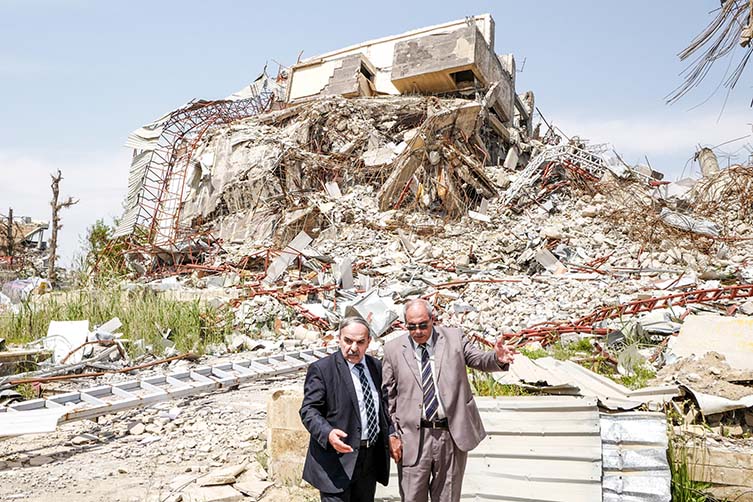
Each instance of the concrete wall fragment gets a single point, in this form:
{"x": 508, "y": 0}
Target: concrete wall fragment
{"x": 310, "y": 77}
{"x": 287, "y": 439}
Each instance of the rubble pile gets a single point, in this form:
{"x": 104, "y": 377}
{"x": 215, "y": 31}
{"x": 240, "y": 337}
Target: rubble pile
{"x": 267, "y": 173}
{"x": 362, "y": 192}
{"x": 23, "y": 248}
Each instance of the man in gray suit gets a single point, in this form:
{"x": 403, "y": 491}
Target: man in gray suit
{"x": 435, "y": 418}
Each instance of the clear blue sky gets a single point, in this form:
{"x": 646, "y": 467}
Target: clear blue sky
{"x": 77, "y": 76}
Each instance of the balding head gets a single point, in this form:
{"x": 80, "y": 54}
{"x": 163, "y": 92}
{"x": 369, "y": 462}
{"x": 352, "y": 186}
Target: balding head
{"x": 420, "y": 305}
{"x": 419, "y": 319}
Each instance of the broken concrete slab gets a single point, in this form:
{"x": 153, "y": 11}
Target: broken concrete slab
{"x": 224, "y": 476}
{"x": 223, "y": 493}
{"x": 290, "y": 253}
{"x": 253, "y": 488}
{"x": 730, "y": 336}
{"x": 379, "y": 311}
{"x": 448, "y": 61}
{"x": 547, "y": 260}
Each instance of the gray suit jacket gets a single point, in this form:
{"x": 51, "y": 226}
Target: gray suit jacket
{"x": 452, "y": 353}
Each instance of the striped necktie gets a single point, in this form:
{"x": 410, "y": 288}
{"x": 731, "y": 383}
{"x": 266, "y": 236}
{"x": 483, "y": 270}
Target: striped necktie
{"x": 372, "y": 428}
{"x": 431, "y": 403}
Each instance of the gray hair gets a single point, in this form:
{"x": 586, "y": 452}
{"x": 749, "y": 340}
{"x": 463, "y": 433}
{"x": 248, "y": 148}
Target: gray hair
{"x": 428, "y": 307}
{"x": 351, "y": 320}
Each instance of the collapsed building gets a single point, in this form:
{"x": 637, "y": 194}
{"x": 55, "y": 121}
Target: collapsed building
{"x": 22, "y": 240}
{"x": 244, "y": 168}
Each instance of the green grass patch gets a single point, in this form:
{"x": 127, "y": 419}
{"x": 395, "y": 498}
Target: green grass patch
{"x": 145, "y": 316}
{"x": 532, "y": 353}
{"x": 565, "y": 352}
{"x": 682, "y": 468}
{"x": 483, "y": 384}
{"x": 639, "y": 379}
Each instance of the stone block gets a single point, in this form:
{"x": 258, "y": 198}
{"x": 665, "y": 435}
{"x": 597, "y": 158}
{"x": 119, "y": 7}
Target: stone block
{"x": 287, "y": 439}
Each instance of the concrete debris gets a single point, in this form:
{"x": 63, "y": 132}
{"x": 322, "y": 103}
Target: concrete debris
{"x": 732, "y": 337}
{"x": 221, "y": 493}
{"x": 684, "y": 222}
{"x": 20, "y": 360}
{"x": 547, "y": 260}
{"x": 20, "y": 290}
{"x": 224, "y": 476}
{"x": 288, "y": 255}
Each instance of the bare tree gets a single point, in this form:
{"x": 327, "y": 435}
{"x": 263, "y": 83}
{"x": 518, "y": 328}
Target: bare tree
{"x": 8, "y": 230}
{"x": 56, "y": 207}
{"x": 730, "y": 29}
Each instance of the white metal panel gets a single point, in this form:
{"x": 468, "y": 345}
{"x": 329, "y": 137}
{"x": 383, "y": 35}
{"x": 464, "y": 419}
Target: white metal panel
{"x": 538, "y": 448}
{"x": 567, "y": 377}
{"x": 634, "y": 447}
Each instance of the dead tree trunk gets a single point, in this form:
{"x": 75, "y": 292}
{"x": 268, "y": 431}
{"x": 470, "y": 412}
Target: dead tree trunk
{"x": 56, "y": 207}
{"x": 10, "y": 233}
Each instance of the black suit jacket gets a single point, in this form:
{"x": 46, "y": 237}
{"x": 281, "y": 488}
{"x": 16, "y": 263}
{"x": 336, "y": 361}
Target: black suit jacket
{"x": 329, "y": 402}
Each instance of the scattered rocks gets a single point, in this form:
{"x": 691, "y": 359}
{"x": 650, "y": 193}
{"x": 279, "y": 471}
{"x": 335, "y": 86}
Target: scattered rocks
{"x": 137, "y": 429}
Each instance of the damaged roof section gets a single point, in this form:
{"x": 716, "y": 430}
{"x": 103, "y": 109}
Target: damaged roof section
{"x": 447, "y": 57}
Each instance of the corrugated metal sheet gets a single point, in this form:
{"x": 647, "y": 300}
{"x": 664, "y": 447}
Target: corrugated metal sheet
{"x": 634, "y": 447}
{"x": 144, "y": 139}
{"x": 127, "y": 223}
{"x": 567, "y": 377}
{"x": 135, "y": 186}
{"x": 537, "y": 449}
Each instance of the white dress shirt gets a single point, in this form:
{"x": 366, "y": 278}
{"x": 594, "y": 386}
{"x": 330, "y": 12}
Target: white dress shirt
{"x": 359, "y": 394}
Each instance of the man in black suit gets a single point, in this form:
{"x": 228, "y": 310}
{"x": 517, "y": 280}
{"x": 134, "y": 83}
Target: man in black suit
{"x": 345, "y": 411}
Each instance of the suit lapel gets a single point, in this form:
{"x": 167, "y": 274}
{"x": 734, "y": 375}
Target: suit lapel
{"x": 347, "y": 379}
{"x": 439, "y": 343}
{"x": 409, "y": 354}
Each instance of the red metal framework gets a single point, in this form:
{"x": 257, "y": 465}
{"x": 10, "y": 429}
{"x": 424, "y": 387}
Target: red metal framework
{"x": 677, "y": 300}
{"x": 164, "y": 176}
{"x": 551, "y": 331}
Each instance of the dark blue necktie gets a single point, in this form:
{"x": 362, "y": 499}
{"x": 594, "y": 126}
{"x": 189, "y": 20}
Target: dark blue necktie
{"x": 431, "y": 403}
{"x": 372, "y": 428}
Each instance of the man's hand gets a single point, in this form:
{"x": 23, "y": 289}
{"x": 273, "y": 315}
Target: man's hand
{"x": 337, "y": 444}
{"x": 396, "y": 448}
{"x": 505, "y": 354}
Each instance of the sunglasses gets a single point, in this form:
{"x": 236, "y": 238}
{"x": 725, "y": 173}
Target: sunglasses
{"x": 414, "y": 327}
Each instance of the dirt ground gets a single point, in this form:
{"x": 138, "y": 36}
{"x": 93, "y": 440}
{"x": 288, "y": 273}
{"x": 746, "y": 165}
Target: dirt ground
{"x": 146, "y": 454}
